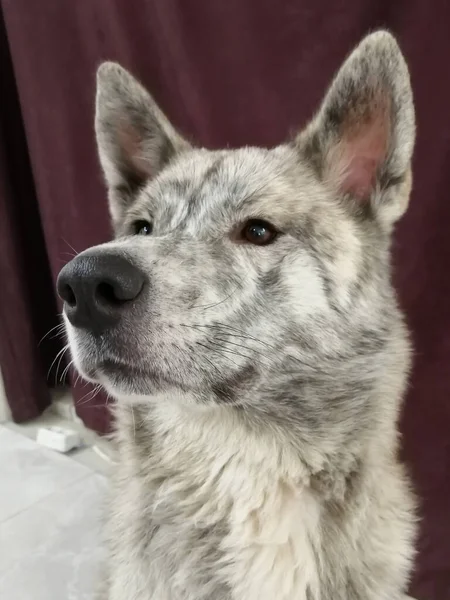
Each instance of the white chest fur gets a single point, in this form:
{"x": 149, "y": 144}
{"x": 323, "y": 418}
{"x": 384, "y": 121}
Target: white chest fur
{"x": 257, "y": 488}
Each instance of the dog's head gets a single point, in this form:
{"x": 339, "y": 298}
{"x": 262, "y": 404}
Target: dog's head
{"x": 237, "y": 273}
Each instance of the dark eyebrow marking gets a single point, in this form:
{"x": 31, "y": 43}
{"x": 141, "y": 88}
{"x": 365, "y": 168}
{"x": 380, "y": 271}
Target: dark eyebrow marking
{"x": 212, "y": 171}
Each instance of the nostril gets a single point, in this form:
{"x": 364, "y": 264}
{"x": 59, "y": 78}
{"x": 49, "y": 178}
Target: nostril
{"x": 119, "y": 288}
{"x": 108, "y": 294}
{"x": 68, "y": 295}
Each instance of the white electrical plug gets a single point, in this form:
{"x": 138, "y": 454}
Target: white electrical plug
{"x": 58, "y": 438}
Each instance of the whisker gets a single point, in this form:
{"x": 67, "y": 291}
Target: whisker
{"x": 211, "y": 363}
{"x": 227, "y": 341}
{"x": 70, "y": 246}
{"x": 207, "y": 306}
{"x": 90, "y": 395}
{"x": 61, "y": 352}
{"x": 66, "y": 370}
{"x": 57, "y": 368}
{"x": 218, "y": 352}
{"x": 240, "y": 334}
{"x": 82, "y": 399}
{"x": 60, "y": 327}
{"x": 219, "y": 326}
{"x": 228, "y": 351}
{"x": 191, "y": 349}
{"x": 108, "y": 398}
{"x": 240, "y": 346}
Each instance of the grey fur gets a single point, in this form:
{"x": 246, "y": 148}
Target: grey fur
{"x": 258, "y": 388}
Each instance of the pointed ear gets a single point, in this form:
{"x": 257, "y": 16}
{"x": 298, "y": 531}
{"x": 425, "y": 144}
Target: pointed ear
{"x": 361, "y": 140}
{"x": 135, "y": 140}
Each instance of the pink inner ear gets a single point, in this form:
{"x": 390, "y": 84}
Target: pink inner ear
{"x": 356, "y": 160}
{"x": 132, "y": 151}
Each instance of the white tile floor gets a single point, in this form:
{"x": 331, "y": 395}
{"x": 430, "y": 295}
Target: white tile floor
{"x": 51, "y": 509}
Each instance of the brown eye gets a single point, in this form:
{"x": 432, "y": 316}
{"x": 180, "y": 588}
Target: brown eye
{"x": 258, "y": 232}
{"x": 142, "y": 228}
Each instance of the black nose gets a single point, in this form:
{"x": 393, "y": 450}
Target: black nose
{"x": 97, "y": 287}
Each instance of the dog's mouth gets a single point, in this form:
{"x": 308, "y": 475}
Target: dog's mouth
{"x": 124, "y": 376}
{"x": 120, "y": 369}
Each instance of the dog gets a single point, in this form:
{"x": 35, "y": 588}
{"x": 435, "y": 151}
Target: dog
{"x": 245, "y": 323}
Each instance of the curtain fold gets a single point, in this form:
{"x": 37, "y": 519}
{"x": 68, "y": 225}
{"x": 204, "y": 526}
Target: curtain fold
{"x": 27, "y": 302}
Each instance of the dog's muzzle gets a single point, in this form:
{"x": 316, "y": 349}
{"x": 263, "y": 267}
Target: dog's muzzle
{"x": 98, "y": 288}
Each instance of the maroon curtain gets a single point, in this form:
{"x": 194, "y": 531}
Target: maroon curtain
{"x": 227, "y": 72}
{"x": 27, "y": 301}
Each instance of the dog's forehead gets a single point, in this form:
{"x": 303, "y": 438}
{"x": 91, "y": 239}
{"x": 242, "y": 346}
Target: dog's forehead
{"x": 208, "y": 185}
{"x": 221, "y": 172}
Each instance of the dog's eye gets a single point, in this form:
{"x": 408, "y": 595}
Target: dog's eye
{"x": 258, "y": 232}
{"x": 142, "y": 228}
